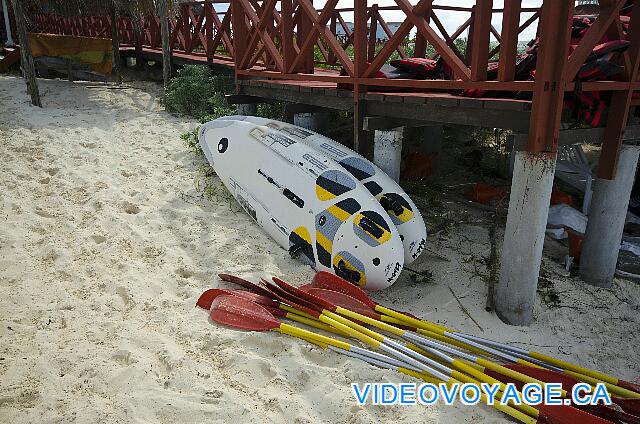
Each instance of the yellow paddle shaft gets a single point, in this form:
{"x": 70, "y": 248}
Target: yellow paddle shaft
{"x": 305, "y": 334}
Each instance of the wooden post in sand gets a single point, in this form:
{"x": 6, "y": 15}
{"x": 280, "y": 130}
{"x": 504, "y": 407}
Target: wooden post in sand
{"x": 28, "y": 68}
{"x": 115, "y": 43}
{"x": 166, "y": 49}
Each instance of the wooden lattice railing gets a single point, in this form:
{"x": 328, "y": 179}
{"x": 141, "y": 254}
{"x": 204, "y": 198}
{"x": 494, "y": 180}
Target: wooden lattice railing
{"x": 291, "y": 39}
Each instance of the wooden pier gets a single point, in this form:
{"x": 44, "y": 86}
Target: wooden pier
{"x": 289, "y": 51}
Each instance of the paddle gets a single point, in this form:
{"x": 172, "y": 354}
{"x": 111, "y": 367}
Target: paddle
{"x": 241, "y": 313}
{"x": 330, "y": 281}
{"x": 273, "y": 306}
{"x": 431, "y": 346}
{"x": 565, "y": 414}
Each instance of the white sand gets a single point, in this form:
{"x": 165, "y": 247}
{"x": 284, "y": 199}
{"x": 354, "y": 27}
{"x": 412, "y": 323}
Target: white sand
{"x": 105, "y": 245}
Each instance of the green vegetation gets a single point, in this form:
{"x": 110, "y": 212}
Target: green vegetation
{"x": 196, "y": 92}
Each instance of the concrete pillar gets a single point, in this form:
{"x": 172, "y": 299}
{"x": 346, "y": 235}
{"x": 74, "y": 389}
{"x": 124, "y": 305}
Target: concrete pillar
{"x": 7, "y": 24}
{"x": 387, "y": 151}
{"x": 515, "y": 293}
{"x": 314, "y": 121}
{"x": 247, "y": 109}
{"x": 606, "y": 221}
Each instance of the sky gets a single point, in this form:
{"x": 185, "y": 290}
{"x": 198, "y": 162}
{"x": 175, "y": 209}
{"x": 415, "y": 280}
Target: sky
{"x": 450, "y": 20}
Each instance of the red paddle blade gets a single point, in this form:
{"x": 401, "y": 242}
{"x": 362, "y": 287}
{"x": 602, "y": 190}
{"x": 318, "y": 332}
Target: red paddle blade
{"x": 255, "y": 297}
{"x": 234, "y": 311}
{"x": 562, "y": 414}
{"x": 205, "y": 299}
{"x": 632, "y": 406}
{"x": 326, "y": 280}
{"x": 308, "y": 297}
{"x": 344, "y": 301}
{"x": 306, "y": 287}
{"x": 293, "y": 300}
{"x": 256, "y": 288}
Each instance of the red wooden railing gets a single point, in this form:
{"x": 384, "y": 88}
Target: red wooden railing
{"x": 290, "y": 39}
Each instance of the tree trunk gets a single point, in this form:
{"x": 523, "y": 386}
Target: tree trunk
{"x": 28, "y": 68}
{"x": 166, "y": 50}
{"x": 115, "y": 44}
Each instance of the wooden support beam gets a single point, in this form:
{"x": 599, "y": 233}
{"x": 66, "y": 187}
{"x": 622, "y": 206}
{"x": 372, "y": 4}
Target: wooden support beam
{"x": 619, "y": 105}
{"x": 293, "y": 108}
{"x": 480, "y": 41}
{"x": 372, "y": 123}
{"x": 239, "y": 99}
{"x": 509, "y": 41}
{"x": 550, "y": 82}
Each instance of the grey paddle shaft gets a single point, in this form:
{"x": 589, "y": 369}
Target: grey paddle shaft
{"x": 389, "y": 363}
{"x": 515, "y": 351}
{"x": 379, "y": 357}
{"x": 415, "y": 359}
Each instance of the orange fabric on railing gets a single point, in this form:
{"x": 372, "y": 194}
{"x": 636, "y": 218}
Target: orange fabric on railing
{"x": 94, "y": 52}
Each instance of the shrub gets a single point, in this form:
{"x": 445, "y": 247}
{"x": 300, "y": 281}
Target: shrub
{"x": 198, "y": 93}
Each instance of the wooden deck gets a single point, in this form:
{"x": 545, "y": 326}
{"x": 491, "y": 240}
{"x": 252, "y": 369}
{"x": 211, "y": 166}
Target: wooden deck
{"x": 428, "y": 107}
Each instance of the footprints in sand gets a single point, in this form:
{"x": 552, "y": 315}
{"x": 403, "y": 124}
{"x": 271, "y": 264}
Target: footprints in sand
{"x": 184, "y": 273}
{"x": 24, "y": 399}
{"x": 44, "y": 213}
{"x": 212, "y": 397}
{"x": 130, "y": 208}
{"x": 98, "y": 239}
{"x": 124, "y": 357}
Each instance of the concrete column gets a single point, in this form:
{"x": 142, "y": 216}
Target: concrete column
{"x": 7, "y": 24}
{"x": 247, "y": 109}
{"x": 314, "y": 121}
{"x": 515, "y": 293}
{"x": 606, "y": 221}
{"x": 387, "y": 151}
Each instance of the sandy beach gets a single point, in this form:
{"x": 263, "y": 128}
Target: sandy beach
{"x": 106, "y": 244}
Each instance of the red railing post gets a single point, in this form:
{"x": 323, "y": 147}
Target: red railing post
{"x": 360, "y": 67}
{"x": 287, "y": 23}
{"x": 208, "y": 29}
{"x": 373, "y": 32}
{"x": 304, "y": 28}
{"x": 333, "y": 27}
{"x": 420, "y": 47}
{"x": 551, "y": 67}
{"x": 480, "y": 40}
{"x": 240, "y": 33}
{"x": 509, "y": 42}
{"x": 186, "y": 27}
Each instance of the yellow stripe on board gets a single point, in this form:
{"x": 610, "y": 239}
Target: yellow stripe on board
{"x": 303, "y": 233}
{"x": 341, "y": 214}
{"x": 324, "y": 242}
{"x": 363, "y": 278}
{"x": 324, "y": 194}
{"x": 406, "y": 215}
